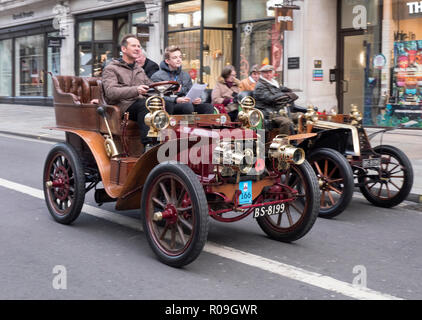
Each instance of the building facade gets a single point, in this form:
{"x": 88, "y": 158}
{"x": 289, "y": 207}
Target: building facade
{"x": 75, "y": 37}
{"x": 332, "y": 53}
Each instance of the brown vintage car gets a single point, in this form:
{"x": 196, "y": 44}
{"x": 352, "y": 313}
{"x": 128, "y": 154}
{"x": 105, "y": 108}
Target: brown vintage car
{"x": 224, "y": 176}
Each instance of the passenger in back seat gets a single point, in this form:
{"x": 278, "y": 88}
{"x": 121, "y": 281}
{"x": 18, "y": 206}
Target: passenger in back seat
{"x": 126, "y": 84}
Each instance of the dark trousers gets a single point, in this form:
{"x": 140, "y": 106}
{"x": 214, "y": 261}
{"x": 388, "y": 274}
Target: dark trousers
{"x": 188, "y": 108}
{"x": 137, "y": 112}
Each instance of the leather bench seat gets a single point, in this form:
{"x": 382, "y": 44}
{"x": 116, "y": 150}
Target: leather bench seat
{"x": 72, "y": 101}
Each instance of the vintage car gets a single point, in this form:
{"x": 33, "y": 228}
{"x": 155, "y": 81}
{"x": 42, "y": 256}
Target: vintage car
{"x": 340, "y": 153}
{"x": 202, "y": 166}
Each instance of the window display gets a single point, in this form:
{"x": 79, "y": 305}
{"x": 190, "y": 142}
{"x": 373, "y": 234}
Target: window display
{"x": 406, "y": 99}
{"x": 261, "y": 44}
{"x": 29, "y": 65}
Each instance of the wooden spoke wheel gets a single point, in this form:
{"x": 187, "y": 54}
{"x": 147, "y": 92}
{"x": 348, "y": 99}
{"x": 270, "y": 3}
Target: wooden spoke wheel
{"x": 300, "y": 214}
{"x": 175, "y": 214}
{"x": 335, "y": 180}
{"x": 391, "y": 183}
{"x": 64, "y": 183}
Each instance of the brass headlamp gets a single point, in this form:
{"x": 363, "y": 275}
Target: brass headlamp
{"x": 157, "y": 118}
{"x": 285, "y": 153}
{"x": 355, "y": 115}
{"x": 250, "y": 117}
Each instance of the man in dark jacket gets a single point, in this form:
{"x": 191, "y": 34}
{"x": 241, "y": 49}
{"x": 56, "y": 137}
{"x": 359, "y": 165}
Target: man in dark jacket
{"x": 268, "y": 93}
{"x": 149, "y": 66}
{"x": 125, "y": 85}
{"x": 171, "y": 70}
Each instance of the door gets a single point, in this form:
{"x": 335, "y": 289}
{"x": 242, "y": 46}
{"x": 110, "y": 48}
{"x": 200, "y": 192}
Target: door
{"x": 352, "y": 76}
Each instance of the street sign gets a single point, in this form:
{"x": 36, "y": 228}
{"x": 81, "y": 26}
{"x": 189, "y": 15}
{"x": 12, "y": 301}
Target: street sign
{"x": 293, "y": 63}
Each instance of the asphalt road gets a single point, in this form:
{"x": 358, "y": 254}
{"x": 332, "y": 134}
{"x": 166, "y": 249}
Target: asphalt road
{"x": 106, "y": 256}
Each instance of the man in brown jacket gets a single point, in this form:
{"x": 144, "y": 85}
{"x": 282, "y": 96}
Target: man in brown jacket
{"x": 125, "y": 85}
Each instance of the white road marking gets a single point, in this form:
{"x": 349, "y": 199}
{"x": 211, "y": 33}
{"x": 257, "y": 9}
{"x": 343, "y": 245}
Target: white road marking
{"x": 284, "y": 270}
{"x": 10, "y": 136}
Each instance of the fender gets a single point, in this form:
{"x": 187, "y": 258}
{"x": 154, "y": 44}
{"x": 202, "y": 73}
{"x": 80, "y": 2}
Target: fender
{"x": 337, "y": 139}
{"x": 95, "y": 142}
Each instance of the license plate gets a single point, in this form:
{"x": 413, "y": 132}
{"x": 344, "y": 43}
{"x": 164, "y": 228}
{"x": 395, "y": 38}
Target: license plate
{"x": 246, "y": 195}
{"x": 269, "y": 210}
{"x": 371, "y": 163}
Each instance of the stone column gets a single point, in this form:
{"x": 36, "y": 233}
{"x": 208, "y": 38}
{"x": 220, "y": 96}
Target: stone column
{"x": 387, "y": 45}
{"x": 64, "y": 22}
{"x": 67, "y": 53}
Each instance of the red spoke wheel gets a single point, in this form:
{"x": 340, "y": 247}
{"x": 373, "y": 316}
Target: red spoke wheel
{"x": 64, "y": 183}
{"x": 174, "y": 214}
{"x": 300, "y": 214}
{"x": 391, "y": 183}
{"x": 335, "y": 180}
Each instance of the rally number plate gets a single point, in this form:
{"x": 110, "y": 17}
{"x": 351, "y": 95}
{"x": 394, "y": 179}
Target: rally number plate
{"x": 269, "y": 210}
{"x": 371, "y": 163}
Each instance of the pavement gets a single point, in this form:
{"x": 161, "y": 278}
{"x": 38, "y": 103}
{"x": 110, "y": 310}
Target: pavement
{"x": 30, "y": 121}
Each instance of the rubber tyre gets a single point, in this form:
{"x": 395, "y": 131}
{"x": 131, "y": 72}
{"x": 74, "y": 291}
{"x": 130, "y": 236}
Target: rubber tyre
{"x": 344, "y": 171}
{"x": 302, "y": 227}
{"x": 75, "y": 169}
{"x": 199, "y": 210}
{"x": 401, "y": 157}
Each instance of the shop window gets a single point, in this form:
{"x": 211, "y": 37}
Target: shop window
{"x": 189, "y": 43}
{"x": 103, "y": 30}
{"x": 53, "y": 63}
{"x": 255, "y": 9}
{"x": 217, "y": 14}
{"x": 103, "y": 55}
{"x": 85, "y": 31}
{"x": 217, "y": 54}
{"x": 6, "y": 67}
{"x": 29, "y": 65}
{"x": 261, "y": 44}
{"x": 184, "y": 15}
{"x": 85, "y": 60}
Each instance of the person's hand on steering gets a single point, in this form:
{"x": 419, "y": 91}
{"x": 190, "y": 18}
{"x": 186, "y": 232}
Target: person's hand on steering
{"x": 143, "y": 89}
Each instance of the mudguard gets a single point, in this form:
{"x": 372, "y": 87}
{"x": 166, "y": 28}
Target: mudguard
{"x": 95, "y": 142}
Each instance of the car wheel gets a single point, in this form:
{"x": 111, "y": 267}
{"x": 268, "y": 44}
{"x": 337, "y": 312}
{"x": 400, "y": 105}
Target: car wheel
{"x": 390, "y": 184}
{"x": 300, "y": 214}
{"x": 335, "y": 179}
{"x": 174, "y": 213}
{"x": 64, "y": 183}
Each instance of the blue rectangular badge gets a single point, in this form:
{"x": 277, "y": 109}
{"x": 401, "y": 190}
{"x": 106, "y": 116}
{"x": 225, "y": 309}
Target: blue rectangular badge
{"x": 246, "y": 195}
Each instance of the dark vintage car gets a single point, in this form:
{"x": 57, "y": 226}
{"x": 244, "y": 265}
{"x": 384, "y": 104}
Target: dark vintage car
{"x": 342, "y": 157}
{"x": 218, "y": 170}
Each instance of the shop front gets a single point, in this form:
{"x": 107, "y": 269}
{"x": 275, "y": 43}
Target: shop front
{"x": 215, "y": 33}
{"x": 26, "y": 53}
{"x": 99, "y": 33}
{"x": 69, "y": 38}
{"x": 380, "y": 59}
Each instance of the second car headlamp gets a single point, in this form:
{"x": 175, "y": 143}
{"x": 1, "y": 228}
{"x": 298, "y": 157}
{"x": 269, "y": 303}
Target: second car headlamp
{"x": 250, "y": 117}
